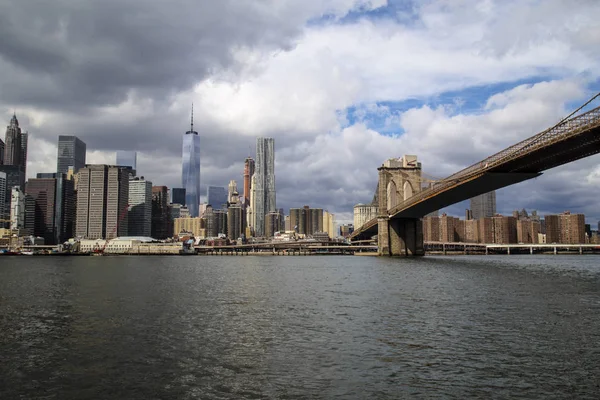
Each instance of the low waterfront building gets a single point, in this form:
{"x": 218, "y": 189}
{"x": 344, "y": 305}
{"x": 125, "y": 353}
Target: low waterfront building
{"x": 431, "y": 228}
{"x": 505, "y": 229}
{"x": 195, "y": 226}
{"x": 527, "y": 231}
{"x": 346, "y": 230}
{"x": 286, "y": 236}
{"x": 471, "y": 231}
{"x": 321, "y": 236}
{"x": 565, "y": 228}
{"x": 129, "y": 245}
{"x": 447, "y": 228}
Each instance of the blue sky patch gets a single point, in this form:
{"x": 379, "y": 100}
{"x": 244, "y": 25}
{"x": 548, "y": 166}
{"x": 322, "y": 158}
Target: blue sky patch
{"x": 401, "y": 11}
{"x": 383, "y": 116}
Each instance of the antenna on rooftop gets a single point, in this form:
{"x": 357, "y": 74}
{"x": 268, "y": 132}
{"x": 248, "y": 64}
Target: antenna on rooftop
{"x": 192, "y": 120}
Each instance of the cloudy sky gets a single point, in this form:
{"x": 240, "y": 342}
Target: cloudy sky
{"x": 341, "y": 85}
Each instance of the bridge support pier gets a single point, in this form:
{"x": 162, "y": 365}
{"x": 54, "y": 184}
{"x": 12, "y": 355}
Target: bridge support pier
{"x": 400, "y": 237}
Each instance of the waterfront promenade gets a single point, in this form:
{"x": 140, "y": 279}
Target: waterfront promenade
{"x": 304, "y": 249}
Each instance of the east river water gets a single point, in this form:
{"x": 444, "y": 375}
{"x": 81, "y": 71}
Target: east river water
{"x": 316, "y": 327}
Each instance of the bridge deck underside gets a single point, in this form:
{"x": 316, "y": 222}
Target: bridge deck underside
{"x": 482, "y": 184}
{"x": 553, "y": 155}
{"x": 526, "y": 166}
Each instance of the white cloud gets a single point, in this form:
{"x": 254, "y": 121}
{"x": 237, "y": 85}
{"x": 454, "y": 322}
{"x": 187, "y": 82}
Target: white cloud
{"x": 333, "y": 67}
{"x": 447, "y": 142}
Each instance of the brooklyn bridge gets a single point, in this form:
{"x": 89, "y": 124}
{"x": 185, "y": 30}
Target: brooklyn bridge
{"x": 402, "y": 198}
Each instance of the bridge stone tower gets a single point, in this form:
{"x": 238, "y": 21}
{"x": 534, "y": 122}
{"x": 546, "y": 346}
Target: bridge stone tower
{"x": 399, "y": 179}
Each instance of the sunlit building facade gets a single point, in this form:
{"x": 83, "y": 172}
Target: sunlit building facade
{"x": 264, "y": 183}
{"x": 190, "y": 169}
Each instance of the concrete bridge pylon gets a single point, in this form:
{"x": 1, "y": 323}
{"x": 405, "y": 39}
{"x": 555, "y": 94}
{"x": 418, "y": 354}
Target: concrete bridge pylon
{"x": 399, "y": 179}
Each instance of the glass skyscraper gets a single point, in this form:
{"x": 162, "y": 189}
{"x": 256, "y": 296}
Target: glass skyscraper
{"x": 264, "y": 202}
{"x": 178, "y": 196}
{"x": 190, "y": 169}
{"x": 217, "y": 197}
{"x": 484, "y": 205}
{"x": 71, "y": 152}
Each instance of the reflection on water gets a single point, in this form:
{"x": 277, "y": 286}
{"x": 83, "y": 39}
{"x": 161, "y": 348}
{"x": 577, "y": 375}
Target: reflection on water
{"x": 299, "y": 327}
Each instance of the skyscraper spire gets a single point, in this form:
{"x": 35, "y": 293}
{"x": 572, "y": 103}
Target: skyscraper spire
{"x": 13, "y": 120}
{"x": 192, "y": 131}
{"x": 192, "y": 124}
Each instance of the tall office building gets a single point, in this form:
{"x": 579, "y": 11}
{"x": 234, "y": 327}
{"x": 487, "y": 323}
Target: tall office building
{"x": 12, "y": 143}
{"x": 1, "y": 151}
{"x": 316, "y": 220}
{"x": 202, "y": 208}
{"x": 264, "y": 190}
{"x": 364, "y": 213}
{"x": 43, "y": 193}
{"x": 127, "y": 159}
{"x": 24, "y": 142}
{"x": 190, "y": 168}
{"x": 15, "y": 176}
{"x": 140, "y": 207}
{"x": 250, "y": 215}
{"x": 53, "y": 200}
{"x": 234, "y": 221}
{"x": 484, "y": 205}
{"x": 221, "y": 221}
{"x": 102, "y": 196}
{"x": 2, "y": 196}
{"x": 17, "y": 210}
{"x": 273, "y": 223}
{"x": 64, "y": 205}
{"x": 217, "y": 197}
{"x": 329, "y": 224}
{"x": 215, "y": 222}
{"x": 161, "y": 215}
{"x": 15, "y": 153}
{"x": 234, "y": 214}
{"x": 231, "y": 191}
{"x": 71, "y": 153}
{"x": 178, "y": 196}
{"x": 306, "y": 220}
{"x": 248, "y": 173}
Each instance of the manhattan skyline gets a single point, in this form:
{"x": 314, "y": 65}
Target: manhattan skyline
{"x": 452, "y": 100}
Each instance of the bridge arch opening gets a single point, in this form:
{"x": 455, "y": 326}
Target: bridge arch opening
{"x": 408, "y": 190}
{"x": 392, "y": 195}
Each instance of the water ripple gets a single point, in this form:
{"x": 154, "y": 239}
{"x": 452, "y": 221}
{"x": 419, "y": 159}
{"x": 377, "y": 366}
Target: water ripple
{"x": 300, "y": 327}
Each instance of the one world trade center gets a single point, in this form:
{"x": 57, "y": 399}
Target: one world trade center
{"x": 190, "y": 168}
